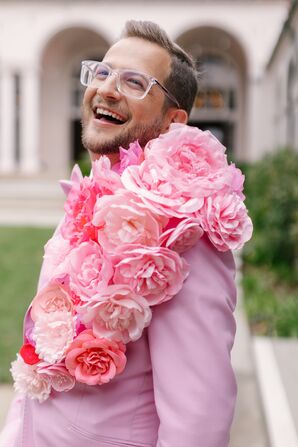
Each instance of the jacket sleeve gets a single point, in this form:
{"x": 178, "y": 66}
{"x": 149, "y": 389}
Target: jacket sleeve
{"x": 190, "y": 339}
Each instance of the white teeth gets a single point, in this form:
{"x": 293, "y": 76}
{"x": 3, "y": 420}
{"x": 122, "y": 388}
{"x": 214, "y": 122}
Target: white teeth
{"x": 100, "y": 111}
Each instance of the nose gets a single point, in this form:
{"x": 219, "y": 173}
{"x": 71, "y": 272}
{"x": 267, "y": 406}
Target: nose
{"x": 108, "y": 88}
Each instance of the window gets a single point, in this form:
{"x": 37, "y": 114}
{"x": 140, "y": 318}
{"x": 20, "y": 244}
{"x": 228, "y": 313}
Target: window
{"x": 219, "y": 81}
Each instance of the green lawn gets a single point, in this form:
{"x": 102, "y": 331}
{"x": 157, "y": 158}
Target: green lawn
{"x": 21, "y": 251}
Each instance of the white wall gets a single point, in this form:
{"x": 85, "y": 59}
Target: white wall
{"x": 26, "y": 28}
{"x": 277, "y": 76}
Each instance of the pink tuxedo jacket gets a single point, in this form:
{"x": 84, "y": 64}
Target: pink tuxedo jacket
{"x": 178, "y": 388}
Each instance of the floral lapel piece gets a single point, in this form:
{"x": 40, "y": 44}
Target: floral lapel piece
{"x": 119, "y": 252}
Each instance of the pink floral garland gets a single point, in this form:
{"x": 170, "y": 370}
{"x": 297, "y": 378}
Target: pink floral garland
{"x": 118, "y": 253}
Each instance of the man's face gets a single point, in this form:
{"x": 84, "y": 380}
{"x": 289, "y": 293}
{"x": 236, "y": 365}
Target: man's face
{"x": 142, "y": 119}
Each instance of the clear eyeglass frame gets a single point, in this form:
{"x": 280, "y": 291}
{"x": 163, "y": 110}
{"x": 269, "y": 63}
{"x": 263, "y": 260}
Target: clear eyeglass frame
{"x": 88, "y": 74}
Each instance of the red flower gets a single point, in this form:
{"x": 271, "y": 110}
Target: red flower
{"x": 28, "y": 354}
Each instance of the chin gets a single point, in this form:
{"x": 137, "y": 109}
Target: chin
{"x": 99, "y": 144}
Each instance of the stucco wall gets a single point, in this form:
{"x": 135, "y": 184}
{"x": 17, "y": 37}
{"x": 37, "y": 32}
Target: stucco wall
{"x": 27, "y": 27}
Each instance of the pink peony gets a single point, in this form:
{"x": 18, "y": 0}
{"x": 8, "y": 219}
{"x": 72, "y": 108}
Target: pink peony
{"x": 56, "y": 251}
{"x": 55, "y": 296}
{"x": 181, "y": 167}
{"x": 152, "y": 272}
{"x": 134, "y": 155}
{"x": 89, "y": 269}
{"x": 95, "y": 360}
{"x": 28, "y": 380}
{"x": 58, "y": 375}
{"x": 77, "y": 226}
{"x": 53, "y": 334}
{"x": 237, "y": 181}
{"x": 106, "y": 179}
{"x": 117, "y": 314}
{"x": 183, "y": 236}
{"x": 123, "y": 219}
{"x": 225, "y": 220}
{"x": 76, "y": 177}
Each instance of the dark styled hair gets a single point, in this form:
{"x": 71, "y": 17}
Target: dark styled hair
{"x": 182, "y": 80}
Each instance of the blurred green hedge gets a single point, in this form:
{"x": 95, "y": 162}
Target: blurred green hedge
{"x": 271, "y": 191}
{"x": 85, "y": 164}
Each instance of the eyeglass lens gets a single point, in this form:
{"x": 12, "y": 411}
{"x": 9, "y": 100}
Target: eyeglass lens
{"x": 129, "y": 82}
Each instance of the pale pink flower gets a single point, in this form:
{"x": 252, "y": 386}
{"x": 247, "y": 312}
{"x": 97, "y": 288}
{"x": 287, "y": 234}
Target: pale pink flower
{"x": 118, "y": 314}
{"x": 55, "y": 296}
{"x": 56, "y": 251}
{"x": 76, "y": 177}
{"x": 225, "y": 220}
{"x": 183, "y": 236}
{"x": 181, "y": 167}
{"x": 107, "y": 180}
{"x": 60, "y": 378}
{"x": 77, "y": 226}
{"x": 95, "y": 360}
{"x": 53, "y": 333}
{"x": 89, "y": 269}
{"x": 134, "y": 155}
{"x": 155, "y": 273}
{"x": 28, "y": 380}
{"x": 235, "y": 181}
{"x": 123, "y": 219}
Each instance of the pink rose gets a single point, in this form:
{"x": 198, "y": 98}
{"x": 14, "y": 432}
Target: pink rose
{"x": 53, "y": 334}
{"x": 183, "y": 236}
{"x": 155, "y": 273}
{"x": 58, "y": 375}
{"x": 28, "y": 380}
{"x": 89, "y": 269}
{"x": 106, "y": 179}
{"x": 118, "y": 314}
{"x": 55, "y": 296}
{"x": 77, "y": 226}
{"x": 224, "y": 218}
{"x": 95, "y": 360}
{"x": 181, "y": 167}
{"x": 123, "y": 219}
{"x": 134, "y": 155}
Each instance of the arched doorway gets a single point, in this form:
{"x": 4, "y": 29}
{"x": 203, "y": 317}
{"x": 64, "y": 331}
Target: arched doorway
{"x": 220, "y": 103}
{"x": 61, "y": 94}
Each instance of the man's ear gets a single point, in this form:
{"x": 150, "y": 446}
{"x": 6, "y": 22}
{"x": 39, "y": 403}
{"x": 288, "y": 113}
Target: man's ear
{"x": 175, "y": 116}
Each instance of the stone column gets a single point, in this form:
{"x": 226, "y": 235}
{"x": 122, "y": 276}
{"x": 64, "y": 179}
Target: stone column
{"x": 7, "y": 123}
{"x": 29, "y": 122}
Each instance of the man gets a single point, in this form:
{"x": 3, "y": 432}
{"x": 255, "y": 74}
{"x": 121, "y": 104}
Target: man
{"x": 178, "y": 388}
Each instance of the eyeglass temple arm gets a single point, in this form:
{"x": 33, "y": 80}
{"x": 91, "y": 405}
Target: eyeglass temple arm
{"x": 168, "y": 94}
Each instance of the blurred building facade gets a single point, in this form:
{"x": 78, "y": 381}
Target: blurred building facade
{"x": 246, "y": 51}
{"x": 282, "y": 86}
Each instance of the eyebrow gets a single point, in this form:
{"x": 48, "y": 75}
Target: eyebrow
{"x": 112, "y": 66}
{"x": 107, "y": 63}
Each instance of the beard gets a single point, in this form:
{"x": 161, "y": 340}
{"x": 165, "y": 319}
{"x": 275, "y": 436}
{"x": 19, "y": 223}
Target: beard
{"x": 142, "y": 133}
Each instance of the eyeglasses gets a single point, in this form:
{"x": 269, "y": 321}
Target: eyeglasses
{"x": 133, "y": 84}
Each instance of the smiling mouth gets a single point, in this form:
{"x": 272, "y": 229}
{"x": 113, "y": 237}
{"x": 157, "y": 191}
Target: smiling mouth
{"x": 106, "y": 115}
